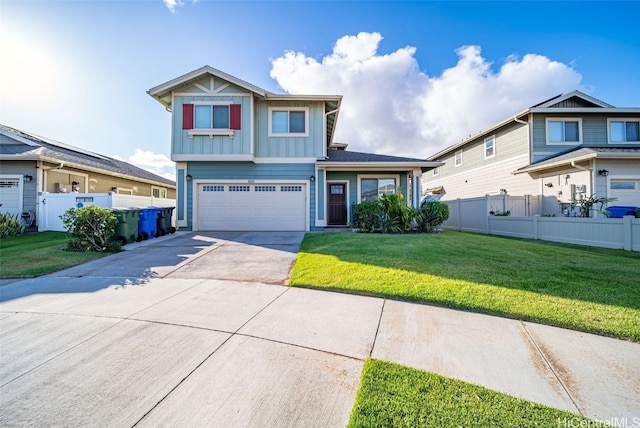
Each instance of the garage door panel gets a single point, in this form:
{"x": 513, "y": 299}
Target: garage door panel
{"x": 267, "y": 207}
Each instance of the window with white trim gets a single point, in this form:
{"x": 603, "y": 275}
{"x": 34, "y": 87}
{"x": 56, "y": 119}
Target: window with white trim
{"x": 564, "y": 130}
{"x": 436, "y": 171}
{"x": 211, "y": 117}
{"x": 372, "y": 187}
{"x": 624, "y": 131}
{"x": 159, "y": 192}
{"x": 458, "y": 158}
{"x": 490, "y": 147}
{"x": 288, "y": 122}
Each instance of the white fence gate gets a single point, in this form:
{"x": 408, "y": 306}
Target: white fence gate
{"x": 52, "y": 205}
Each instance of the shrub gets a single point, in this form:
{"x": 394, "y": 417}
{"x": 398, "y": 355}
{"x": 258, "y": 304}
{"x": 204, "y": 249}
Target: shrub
{"x": 386, "y": 214}
{"x": 430, "y": 215}
{"x": 89, "y": 228}
{"x": 10, "y": 225}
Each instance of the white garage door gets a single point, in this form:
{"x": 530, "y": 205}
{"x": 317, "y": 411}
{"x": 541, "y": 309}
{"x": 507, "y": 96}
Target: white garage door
{"x": 10, "y": 195}
{"x": 253, "y": 207}
{"x": 626, "y": 192}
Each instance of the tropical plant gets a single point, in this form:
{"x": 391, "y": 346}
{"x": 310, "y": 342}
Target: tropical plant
{"x": 586, "y": 205}
{"x": 386, "y": 214}
{"x": 10, "y": 225}
{"x": 430, "y": 215}
{"x": 89, "y": 228}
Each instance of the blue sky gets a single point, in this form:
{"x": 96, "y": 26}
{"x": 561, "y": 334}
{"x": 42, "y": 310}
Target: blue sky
{"x": 416, "y": 76}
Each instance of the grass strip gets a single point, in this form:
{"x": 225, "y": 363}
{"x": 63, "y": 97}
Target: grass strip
{"x": 582, "y": 288}
{"x": 392, "y": 395}
{"x": 36, "y": 254}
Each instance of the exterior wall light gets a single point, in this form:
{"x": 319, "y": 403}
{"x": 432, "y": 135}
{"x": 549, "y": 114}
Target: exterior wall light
{"x": 603, "y": 173}
{"x": 189, "y": 177}
{"x": 312, "y": 178}
{"x": 27, "y": 178}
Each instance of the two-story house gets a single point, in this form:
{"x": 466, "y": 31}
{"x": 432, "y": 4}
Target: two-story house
{"x": 249, "y": 159}
{"x": 569, "y": 147}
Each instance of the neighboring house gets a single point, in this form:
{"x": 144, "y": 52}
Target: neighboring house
{"x": 249, "y": 159}
{"x": 565, "y": 149}
{"x": 30, "y": 164}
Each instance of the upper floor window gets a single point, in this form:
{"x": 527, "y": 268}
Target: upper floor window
{"x": 372, "y": 187}
{"x": 490, "y": 147}
{"x": 624, "y": 131}
{"x": 458, "y": 161}
{"x": 211, "y": 116}
{"x": 288, "y": 122}
{"x": 564, "y": 131}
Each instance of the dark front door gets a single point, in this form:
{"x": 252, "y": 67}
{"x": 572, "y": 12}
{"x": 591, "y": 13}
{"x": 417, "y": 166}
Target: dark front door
{"x": 337, "y": 204}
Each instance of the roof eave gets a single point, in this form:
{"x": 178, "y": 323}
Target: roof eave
{"x": 479, "y": 134}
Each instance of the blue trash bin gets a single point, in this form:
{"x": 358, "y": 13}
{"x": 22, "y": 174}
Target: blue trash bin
{"x": 620, "y": 211}
{"x": 147, "y": 223}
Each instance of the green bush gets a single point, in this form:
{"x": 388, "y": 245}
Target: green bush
{"x": 430, "y": 215}
{"x": 89, "y": 228}
{"x": 386, "y": 214}
{"x": 10, "y": 225}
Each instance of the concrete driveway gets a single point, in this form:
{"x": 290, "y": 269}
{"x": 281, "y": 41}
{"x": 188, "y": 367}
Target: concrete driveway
{"x": 197, "y": 329}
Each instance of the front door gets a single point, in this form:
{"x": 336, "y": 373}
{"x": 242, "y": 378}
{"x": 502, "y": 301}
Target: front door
{"x": 337, "y": 204}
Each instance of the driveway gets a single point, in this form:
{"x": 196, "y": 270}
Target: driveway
{"x": 197, "y": 329}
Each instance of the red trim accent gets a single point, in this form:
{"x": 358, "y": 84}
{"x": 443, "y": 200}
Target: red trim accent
{"x": 235, "y": 115}
{"x": 187, "y": 116}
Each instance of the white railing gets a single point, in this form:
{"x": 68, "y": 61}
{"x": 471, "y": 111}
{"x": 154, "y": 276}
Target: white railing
{"x": 52, "y": 205}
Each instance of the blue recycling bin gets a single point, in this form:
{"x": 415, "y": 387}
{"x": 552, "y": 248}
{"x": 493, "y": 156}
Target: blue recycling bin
{"x": 148, "y": 222}
{"x": 620, "y": 211}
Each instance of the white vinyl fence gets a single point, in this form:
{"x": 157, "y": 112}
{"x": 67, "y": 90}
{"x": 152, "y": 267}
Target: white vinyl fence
{"x": 472, "y": 215}
{"x": 52, "y": 205}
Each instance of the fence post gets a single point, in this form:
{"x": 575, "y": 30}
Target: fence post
{"x": 535, "y": 226}
{"x": 459, "y": 214}
{"x": 487, "y": 203}
{"x": 627, "y": 237}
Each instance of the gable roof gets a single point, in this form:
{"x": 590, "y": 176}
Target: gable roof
{"x": 34, "y": 147}
{"x": 163, "y": 94}
{"x": 572, "y": 102}
{"x": 579, "y": 154}
{"x": 347, "y": 159}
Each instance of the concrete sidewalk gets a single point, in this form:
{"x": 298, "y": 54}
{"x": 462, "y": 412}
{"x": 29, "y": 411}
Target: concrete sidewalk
{"x": 163, "y": 334}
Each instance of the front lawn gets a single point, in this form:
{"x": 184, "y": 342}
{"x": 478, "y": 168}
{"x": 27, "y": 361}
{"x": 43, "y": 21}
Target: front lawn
{"x": 583, "y": 288}
{"x": 36, "y": 254}
{"x": 391, "y": 395}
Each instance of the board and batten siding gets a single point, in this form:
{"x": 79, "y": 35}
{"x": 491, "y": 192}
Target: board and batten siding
{"x": 183, "y": 144}
{"x": 250, "y": 171}
{"x": 289, "y": 147}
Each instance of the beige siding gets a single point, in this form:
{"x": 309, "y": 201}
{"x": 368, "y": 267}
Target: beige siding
{"x": 478, "y": 176}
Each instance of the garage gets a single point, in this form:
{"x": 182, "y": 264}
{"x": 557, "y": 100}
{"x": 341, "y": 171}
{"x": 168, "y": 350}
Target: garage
{"x": 251, "y": 207}
{"x": 626, "y": 191}
{"x": 10, "y": 195}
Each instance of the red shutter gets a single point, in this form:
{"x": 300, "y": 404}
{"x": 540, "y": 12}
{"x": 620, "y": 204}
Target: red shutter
{"x": 235, "y": 113}
{"x": 187, "y": 116}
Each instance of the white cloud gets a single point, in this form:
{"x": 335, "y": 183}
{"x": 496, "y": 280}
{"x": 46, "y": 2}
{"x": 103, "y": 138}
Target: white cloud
{"x": 156, "y": 163}
{"x": 172, "y": 4}
{"x": 390, "y": 106}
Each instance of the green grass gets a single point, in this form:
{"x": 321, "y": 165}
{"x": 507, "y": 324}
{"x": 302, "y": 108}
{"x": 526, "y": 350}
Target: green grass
{"x": 391, "y": 395}
{"x": 36, "y": 254}
{"x": 583, "y": 288}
